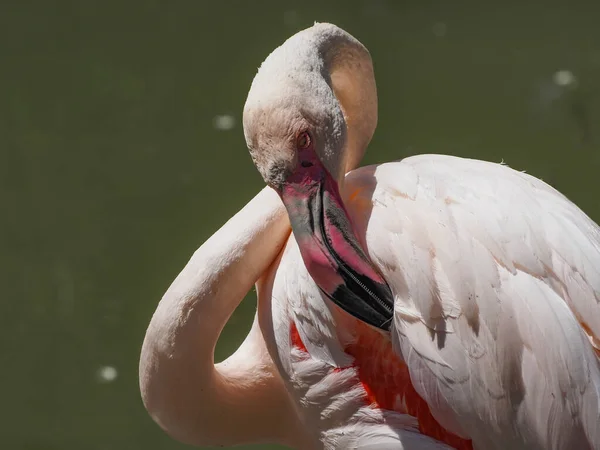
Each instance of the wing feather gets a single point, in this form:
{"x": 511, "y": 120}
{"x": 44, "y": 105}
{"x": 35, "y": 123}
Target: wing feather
{"x": 497, "y": 284}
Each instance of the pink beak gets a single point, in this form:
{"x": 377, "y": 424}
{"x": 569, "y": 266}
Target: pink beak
{"x": 329, "y": 247}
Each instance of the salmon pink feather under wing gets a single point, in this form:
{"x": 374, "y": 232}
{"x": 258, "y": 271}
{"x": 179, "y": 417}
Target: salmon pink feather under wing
{"x": 386, "y": 381}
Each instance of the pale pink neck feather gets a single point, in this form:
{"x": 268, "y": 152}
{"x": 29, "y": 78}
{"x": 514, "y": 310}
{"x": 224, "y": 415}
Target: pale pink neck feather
{"x": 241, "y": 400}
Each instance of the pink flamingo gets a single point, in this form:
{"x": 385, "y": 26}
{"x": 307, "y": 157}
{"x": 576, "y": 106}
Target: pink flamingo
{"x": 434, "y": 302}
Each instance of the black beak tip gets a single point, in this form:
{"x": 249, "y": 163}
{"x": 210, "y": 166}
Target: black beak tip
{"x": 370, "y": 302}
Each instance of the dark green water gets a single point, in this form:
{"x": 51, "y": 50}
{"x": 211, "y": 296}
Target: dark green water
{"x": 112, "y": 172}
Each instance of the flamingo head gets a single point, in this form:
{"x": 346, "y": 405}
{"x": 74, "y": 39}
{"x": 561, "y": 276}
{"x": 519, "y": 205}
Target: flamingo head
{"x": 300, "y": 140}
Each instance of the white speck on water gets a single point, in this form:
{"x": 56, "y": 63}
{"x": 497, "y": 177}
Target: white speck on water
{"x": 439, "y": 29}
{"x": 564, "y": 78}
{"x": 107, "y": 374}
{"x": 224, "y": 122}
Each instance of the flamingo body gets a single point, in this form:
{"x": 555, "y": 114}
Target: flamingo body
{"x": 495, "y": 317}
{"x": 430, "y": 303}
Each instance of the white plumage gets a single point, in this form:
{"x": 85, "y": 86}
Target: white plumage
{"x": 495, "y": 276}
{"x": 490, "y": 278}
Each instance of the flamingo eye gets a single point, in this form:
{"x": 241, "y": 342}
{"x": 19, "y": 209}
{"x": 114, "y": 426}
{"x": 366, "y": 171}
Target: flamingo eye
{"x": 304, "y": 140}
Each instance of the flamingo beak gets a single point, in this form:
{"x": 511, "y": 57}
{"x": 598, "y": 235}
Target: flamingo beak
{"x": 330, "y": 249}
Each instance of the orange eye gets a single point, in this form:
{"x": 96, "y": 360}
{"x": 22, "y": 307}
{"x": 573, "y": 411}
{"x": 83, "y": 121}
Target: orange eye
{"x": 304, "y": 140}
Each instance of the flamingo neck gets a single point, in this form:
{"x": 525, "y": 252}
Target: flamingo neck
{"x": 186, "y": 394}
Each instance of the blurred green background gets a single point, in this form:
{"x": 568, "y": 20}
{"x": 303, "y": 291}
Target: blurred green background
{"x": 121, "y": 151}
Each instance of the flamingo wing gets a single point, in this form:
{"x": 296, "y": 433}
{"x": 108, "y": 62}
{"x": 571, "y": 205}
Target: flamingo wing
{"x": 496, "y": 279}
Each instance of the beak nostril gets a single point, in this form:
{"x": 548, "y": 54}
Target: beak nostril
{"x": 306, "y": 164}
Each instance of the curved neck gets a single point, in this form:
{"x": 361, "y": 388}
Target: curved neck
{"x": 352, "y": 77}
{"x": 241, "y": 400}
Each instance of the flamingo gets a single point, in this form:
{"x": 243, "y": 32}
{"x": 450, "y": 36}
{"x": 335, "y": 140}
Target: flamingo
{"x": 429, "y": 303}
